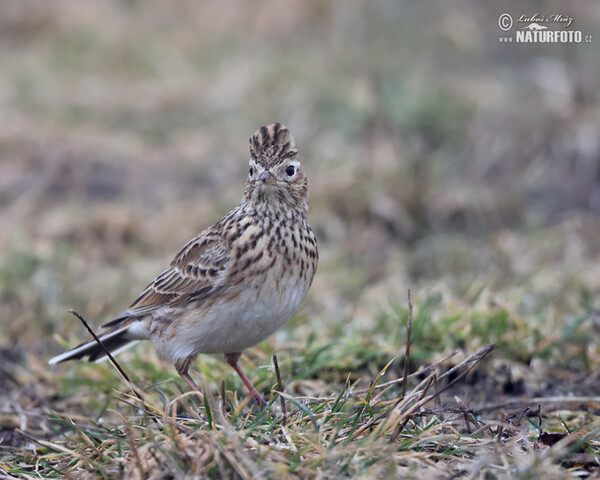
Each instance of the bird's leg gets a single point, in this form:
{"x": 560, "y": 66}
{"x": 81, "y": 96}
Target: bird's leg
{"x": 182, "y": 369}
{"x": 232, "y": 359}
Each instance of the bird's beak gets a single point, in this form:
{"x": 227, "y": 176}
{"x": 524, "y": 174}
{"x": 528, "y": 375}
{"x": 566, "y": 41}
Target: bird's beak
{"x": 268, "y": 178}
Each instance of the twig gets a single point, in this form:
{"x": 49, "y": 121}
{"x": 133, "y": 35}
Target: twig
{"x": 407, "y": 354}
{"x": 280, "y": 387}
{"x": 223, "y": 394}
{"x": 114, "y": 362}
{"x": 106, "y": 351}
{"x": 436, "y": 387}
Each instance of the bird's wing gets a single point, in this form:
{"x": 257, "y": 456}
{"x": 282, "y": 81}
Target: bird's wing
{"x": 194, "y": 274}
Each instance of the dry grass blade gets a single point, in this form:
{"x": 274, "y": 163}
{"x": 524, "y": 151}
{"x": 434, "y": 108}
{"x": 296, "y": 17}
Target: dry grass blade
{"x": 280, "y": 387}
{"x": 400, "y": 427}
{"x": 407, "y": 353}
{"x": 223, "y": 394}
{"x": 468, "y": 416}
{"x": 416, "y": 394}
{"x": 44, "y": 443}
{"x": 109, "y": 355}
{"x": 475, "y": 357}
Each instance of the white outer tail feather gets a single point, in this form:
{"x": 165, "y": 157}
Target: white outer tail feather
{"x": 81, "y": 351}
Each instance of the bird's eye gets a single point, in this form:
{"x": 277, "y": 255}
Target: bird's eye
{"x": 251, "y": 171}
{"x": 290, "y": 170}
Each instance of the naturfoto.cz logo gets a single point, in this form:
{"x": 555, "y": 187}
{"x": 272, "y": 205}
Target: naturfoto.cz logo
{"x": 538, "y": 28}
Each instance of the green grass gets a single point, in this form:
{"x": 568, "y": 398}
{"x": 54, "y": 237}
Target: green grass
{"x": 356, "y": 432}
{"x": 343, "y": 415}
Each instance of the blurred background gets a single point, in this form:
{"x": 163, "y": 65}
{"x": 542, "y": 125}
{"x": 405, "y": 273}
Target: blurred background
{"x": 439, "y": 158}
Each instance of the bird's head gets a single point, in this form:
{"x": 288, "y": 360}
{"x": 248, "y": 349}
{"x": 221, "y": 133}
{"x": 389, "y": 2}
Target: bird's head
{"x": 274, "y": 173}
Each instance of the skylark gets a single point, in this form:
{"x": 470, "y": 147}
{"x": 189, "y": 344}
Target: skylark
{"x": 238, "y": 281}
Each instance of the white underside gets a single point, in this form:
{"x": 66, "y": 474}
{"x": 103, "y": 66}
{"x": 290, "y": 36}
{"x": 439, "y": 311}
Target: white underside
{"x": 233, "y": 325}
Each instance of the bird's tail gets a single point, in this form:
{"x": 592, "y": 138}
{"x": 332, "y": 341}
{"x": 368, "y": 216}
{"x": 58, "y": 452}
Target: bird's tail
{"x": 115, "y": 342}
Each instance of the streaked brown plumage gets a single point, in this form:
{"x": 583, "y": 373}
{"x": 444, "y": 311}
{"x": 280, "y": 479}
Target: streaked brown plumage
{"x": 235, "y": 283}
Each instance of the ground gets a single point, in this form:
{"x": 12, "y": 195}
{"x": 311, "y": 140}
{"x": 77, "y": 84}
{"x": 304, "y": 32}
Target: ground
{"x": 440, "y": 161}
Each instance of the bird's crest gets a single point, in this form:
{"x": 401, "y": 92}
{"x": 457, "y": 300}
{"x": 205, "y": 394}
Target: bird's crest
{"x": 271, "y": 144}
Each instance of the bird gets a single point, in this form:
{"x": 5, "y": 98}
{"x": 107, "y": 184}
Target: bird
{"x": 237, "y": 281}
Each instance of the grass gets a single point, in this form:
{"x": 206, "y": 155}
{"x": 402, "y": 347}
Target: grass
{"x": 343, "y": 416}
{"x": 370, "y": 431}
{"x": 439, "y": 160}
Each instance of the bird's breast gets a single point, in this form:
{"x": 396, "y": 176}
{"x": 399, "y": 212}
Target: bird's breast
{"x": 270, "y": 275}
